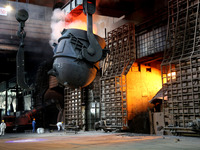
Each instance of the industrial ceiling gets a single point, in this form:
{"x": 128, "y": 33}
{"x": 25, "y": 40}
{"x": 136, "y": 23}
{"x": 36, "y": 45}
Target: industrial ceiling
{"x": 112, "y": 8}
{"x": 134, "y": 10}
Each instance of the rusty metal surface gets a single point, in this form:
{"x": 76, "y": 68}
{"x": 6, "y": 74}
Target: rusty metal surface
{"x": 121, "y": 43}
{"x": 182, "y": 58}
{"x": 73, "y": 107}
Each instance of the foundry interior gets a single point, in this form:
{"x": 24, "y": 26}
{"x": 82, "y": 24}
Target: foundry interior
{"x": 128, "y": 65}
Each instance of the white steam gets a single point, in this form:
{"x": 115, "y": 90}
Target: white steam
{"x": 60, "y": 21}
{"x": 57, "y": 25}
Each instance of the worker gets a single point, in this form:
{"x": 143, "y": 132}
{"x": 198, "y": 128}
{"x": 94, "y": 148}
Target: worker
{"x": 60, "y": 125}
{"x": 33, "y": 125}
{"x": 3, "y": 127}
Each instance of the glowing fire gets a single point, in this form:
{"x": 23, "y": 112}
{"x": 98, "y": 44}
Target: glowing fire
{"x": 60, "y": 21}
{"x": 78, "y": 22}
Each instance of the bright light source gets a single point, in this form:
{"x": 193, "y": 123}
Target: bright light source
{"x": 92, "y": 110}
{"x": 173, "y": 75}
{"x": 8, "y": 8}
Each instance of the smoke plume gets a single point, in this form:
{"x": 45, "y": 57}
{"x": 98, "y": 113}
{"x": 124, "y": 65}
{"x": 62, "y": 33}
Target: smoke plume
{"x": 60, "y": 21}
{"x": 57, "y": 25}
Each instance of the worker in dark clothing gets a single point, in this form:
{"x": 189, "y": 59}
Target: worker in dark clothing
{"x": 33, "y": 125}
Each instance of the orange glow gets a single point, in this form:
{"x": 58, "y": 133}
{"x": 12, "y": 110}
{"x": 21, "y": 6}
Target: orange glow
{"x": 78, "y": 22}
{"x": 172, "y": 75}
{"x": 164, "y": 78}
{"x": 142, "y": 87}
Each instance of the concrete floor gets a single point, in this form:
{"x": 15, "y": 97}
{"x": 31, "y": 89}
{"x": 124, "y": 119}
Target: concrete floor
{"x": 96, "y": 140}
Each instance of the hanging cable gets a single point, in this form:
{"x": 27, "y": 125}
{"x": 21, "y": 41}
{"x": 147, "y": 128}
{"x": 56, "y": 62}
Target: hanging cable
{"x": 27, "y": 5}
